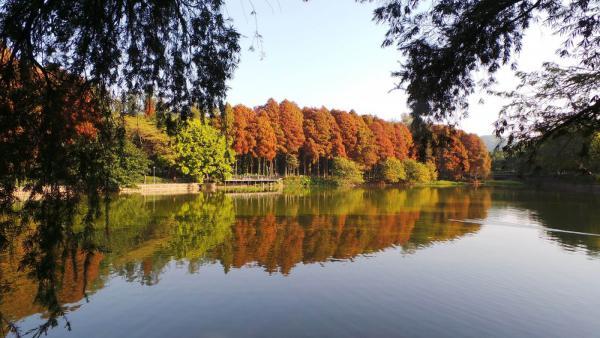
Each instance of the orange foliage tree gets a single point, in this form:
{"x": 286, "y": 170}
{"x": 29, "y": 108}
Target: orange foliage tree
{"x": 317, "y": 136}
{"x": 402, "y": 139}
{"x": 42, "y": 136}
{"x": 458, "y": 155}
{"x": 480, "y": 162}
{"x": 309, "y": 139}
{"x": 266, "y": 142}
{"x": 382, "y": 134}
{"x": 291, "y": 120}
{"x": 272, "y": 111}
{"x": 244, "y": 140}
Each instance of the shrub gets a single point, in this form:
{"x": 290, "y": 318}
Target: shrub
{"x": 433, "y": 174}
{"x": 392, "y": 171}
{"x": 297, "y": 181}
{"x": 417, "y": 172}
{"x": 346, "y": 172}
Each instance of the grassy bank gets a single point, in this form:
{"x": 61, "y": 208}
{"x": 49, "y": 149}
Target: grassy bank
{"x": 304, "y": 182}
{"x": 503, "y": 183}
{"x": 441, "y": 184}
{"x": 486, "y": 183}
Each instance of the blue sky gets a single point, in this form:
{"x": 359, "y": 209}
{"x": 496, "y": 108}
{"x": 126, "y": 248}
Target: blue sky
{"x": 327, "y": 52}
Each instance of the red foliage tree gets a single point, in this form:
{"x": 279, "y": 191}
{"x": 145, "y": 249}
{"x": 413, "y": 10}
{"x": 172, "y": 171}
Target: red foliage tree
{"x": 480, "y": 163}
{"x": 450, "y": 154}
{"x": 272, "y": 110}
{"x": 266, "y": 141}
{"x": 382, "y": 134}
{"x": 291, "y": 119}
{"x": 244, "y": 139}
{"x": 402, "y": 139}
{"x": 316, "y": 132}
{"x": 348, "y": 130}
{"x": 366, "y": 150}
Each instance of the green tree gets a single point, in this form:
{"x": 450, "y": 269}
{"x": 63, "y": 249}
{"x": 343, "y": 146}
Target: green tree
{"x": 392, "y": 170}
{"x": 132, "y": 165}
{"x": 203, "y": 152}
{"x": 417, "y": 172}
{"x": 345, "y": 172}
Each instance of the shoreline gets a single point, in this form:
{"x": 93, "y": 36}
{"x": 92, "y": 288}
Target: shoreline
{"x": 195, "y": 188}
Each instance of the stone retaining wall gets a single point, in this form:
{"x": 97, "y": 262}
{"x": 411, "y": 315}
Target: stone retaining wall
{"x": 166, "y": 188}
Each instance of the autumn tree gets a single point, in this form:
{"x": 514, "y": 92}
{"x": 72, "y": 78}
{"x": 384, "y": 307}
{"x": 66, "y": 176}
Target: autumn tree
{"x": 244, "y": 140}
{"x": 317, "y": 133}
{"x": 357, "y": 138}
{"x": 266, "y": 142}
{"x": 450, "y": 154}
{"x": 402, "y": 139}
{"x": 348, "y": 130}
{"x": 365, "y": 152}
{"x": 480, "y": 162}
{"x": 313, "y": 137}
{"x": 273, "y": 112}
{"x": 291, "y": 120}
{"x": 383, "y": 142}
{"x": 149, "y": 106}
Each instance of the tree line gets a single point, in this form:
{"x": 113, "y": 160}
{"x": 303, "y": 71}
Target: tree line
{"x": 282, "y": 138}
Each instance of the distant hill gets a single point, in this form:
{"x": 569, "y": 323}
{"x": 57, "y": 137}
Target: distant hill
{"x": 491, "y": 141}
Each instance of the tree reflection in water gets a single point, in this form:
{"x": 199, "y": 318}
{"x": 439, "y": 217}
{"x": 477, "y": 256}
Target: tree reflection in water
{"x": 563, "y": 210}
{"x": 62, "y": 254}
{"x": 46, "y": 262}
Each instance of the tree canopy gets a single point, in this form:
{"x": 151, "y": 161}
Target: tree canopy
{"x": 182, "y": 50}
{"x": 203, "y": 152}
{"x": 63, "y": 64}
{"x": 446, "y": 41}
{"x": 313, "y": 137}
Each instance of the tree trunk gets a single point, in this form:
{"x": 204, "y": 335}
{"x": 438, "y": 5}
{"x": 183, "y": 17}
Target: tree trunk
{"x": 318, "y": 166}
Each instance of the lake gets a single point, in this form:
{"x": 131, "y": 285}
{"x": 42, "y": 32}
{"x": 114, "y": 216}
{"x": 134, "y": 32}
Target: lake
{"x": 419, "y": 262}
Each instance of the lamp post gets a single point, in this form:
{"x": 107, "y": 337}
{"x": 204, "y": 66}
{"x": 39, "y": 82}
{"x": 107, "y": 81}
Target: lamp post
{"x": 154, "y": 175}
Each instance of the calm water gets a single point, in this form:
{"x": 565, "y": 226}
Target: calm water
{"x": 451, "y": 262}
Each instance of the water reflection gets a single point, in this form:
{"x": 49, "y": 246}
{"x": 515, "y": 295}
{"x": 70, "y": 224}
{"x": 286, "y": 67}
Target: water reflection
{"x": 563, "y": 210}
{"x": 277, "y": 233}
{"x": 62, "y": 255}
{"x": 47, "y": 262}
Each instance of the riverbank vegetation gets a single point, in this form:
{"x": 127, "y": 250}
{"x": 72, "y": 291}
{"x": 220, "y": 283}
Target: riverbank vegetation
{"x": 579, "y": 155}
{"x": 282, "y": 139}
{"x": 66, "y": 74}
{"x": 551, "y": 115}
